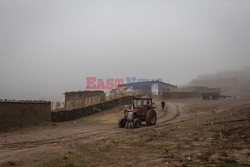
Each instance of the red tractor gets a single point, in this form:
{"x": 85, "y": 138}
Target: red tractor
{"x": 143, "y": 110}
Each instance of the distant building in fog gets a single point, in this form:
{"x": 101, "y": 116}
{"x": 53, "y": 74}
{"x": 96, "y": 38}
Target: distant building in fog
{"x": 231, "y": 82}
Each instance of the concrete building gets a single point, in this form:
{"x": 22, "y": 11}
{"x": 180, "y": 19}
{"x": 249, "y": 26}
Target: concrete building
{"x": 79, "y": 99}
{"x": 22, "y": 113}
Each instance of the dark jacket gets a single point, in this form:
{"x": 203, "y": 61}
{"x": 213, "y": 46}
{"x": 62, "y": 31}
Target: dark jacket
{"x": 162, "y": 103}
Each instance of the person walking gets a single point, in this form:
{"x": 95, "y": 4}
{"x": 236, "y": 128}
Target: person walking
{"x": 163, "y": 105}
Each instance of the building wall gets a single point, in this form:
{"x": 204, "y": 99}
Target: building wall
{"x": 166, "y": 88}
{"x": 115, "y": 94}
{"x": 193, "y": 89}
{"x": 141, "y": 88}
{"x": 181, "y": 95}
{"x": 145, "y": 88}
{"x": 18, "y": 114}
{"x": 74, "y": 100}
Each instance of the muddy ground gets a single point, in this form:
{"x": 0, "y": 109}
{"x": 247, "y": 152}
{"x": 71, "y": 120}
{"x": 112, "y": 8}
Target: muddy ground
{"x": 192, "y": 132}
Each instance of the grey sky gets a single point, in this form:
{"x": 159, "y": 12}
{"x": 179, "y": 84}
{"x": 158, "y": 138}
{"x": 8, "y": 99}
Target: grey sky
{"x": 48, "y": 47}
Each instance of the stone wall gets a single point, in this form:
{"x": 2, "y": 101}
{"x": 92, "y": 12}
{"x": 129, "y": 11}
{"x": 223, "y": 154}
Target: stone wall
{"x": 89, "y": 110}
{"x": 80, "y": 99}
{"x": 84, "y": 102}
{"x": 181, "y": 95}
{"x": 18, "y": 114}
{"x": 118, "y": 93}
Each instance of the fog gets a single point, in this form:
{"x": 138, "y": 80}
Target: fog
{"x": 50, "y": 47}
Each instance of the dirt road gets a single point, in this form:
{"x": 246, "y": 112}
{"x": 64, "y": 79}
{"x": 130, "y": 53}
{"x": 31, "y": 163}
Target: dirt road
{"x": 189, "y": 133}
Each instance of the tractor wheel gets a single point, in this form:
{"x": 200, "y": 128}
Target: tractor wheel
{"x": 136, "y": 123}
{"x": 122, "y": 123}
{"x": 151, "y": 117}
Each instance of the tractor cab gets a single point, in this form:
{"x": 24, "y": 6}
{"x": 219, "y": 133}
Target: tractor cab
{"x": 142, "y": 101}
